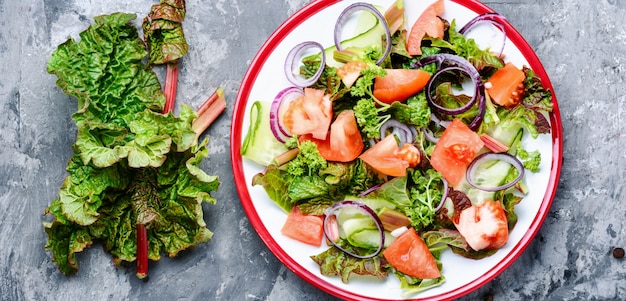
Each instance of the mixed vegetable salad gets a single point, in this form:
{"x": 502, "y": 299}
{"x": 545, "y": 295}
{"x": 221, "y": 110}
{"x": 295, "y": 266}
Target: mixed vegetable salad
{"x": 399, "y": 143}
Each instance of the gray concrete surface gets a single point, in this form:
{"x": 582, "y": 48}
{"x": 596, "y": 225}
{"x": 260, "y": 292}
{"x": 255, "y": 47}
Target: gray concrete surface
{"x": 583, "y": 48}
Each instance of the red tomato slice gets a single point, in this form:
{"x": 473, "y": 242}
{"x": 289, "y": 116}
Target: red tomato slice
{"x": 410, "y": 255}
{"x": 483, "y": 226}
{"x": 344, "y": 142}
{"x": 350, "y": 72}
{"x": 507, "y": 85}
{"x": 427, "y": 24}
{"x": 384, "y": 157}
{"x": 400, "y": 84}
{"x": 454, "y": 151}
{"x": 304, "y": 228}
{"x": 310, "y": 114}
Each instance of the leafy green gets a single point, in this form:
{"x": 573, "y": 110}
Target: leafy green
{"x": 364, "y": 84}
{"x": 334, "y": 262}
{"x": 415, "y": 111}
{"x": 530, "y": 159}
{"x": 369, "y": 117}
{"x": 467, "y": 48}
{"x": 131, "y": 164}
{"x": 163, "y": 32}
{"x": 309, "y": 161}
{"x": 425, "y": 195}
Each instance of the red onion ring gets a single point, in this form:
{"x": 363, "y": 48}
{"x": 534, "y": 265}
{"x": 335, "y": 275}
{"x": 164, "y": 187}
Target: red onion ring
{"x": 429, "y": 135}
{"x": 292, "y": 61}
{"x": 444, "y": 196}
{"x": 486, "y": 157}
{"x": 493, "y": 18}
{"x": 458, "y": 63}
{"x": 398, "y": 128}
{"x": 343, "y": 17}
{"x": 369, "y": 190}
{"x": 367, "y": 210}
{"x": 442, "y": 109}
{"x": 283, "y": 98}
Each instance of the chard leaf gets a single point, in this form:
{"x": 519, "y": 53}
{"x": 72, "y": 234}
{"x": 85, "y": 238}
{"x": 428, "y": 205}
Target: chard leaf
{"x": 65, "y": 241}
{"x": 125, "y": 169}
{"x": 104, "y": 67}
{"x": 91, "y": 149}
{"x": 163, "y": 32}
{"x": 149, "y": 153}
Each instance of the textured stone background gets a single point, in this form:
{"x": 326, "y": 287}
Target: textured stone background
{"x": 582, "y": 45}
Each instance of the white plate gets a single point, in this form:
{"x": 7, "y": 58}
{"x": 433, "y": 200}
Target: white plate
{"x": 265, "y": 78}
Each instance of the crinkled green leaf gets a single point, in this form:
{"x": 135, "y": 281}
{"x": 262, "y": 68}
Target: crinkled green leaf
{"x": 334, "y": 262}
{"x": 104, "y": 68}
{"x": 65, "y": 240}
{"x": 163, "y": 32}
{"x": 131, "y": 164}
{"x": 276, "y": 185}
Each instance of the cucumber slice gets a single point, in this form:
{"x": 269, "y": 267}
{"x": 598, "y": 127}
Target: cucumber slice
{"x": 369, "y": 238}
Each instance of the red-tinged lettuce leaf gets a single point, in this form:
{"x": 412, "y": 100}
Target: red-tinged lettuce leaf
{"x": 456, "y": 242}
{"x": 335, "y": 262}
{"x": 163, "y": 32}
{"x": 105, "y": 67}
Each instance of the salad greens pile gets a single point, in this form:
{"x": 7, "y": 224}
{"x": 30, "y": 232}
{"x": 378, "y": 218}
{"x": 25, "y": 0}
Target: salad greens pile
{"x": 132, "y": 165}
{"x": 314, "y": 184}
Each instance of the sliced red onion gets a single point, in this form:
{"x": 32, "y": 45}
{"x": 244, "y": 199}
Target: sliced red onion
{"x": 282, "y": 99}
{"x": 399, "y": 129}
{"x": 444, "y": 196}
{"x": 429, "y": 135}
{"x": 369, "y": 190}
{"x": 493, "y": 18}
{"x": 292, "y": 64}
{"x": 343, "y": 17}
{"x": 365, "y": 209}
{"x": 455, "y": 62}
{"x": 442, "y": 109}
{"x": 486, "y": 157}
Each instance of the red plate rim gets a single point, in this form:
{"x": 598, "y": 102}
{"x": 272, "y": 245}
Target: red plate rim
{"x": 236, "y": 137}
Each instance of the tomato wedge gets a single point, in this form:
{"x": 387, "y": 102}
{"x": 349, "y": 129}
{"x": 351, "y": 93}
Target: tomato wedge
{"x": 350, "y": 72}
{"x": 507, "y": 85}
{"x": 483, "y": 226}
{"x": 304, "y": 228}
{"x": 400, "y": 84}
{"x": 344, "y": 142}
{"x": 410, "y": 255}
{"x": 310, "y": 114}
{"x": 384, "y": 157}
{"x": 427, "y": 24}
{"x": 455, "y": 150}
